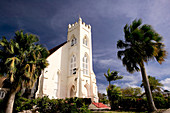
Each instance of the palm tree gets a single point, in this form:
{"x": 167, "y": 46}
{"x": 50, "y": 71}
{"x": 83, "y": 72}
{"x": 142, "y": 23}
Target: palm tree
{"x": 112, "y": 76}
{"x": 21, "y": 61}
{"x": 141, "y": 44}
{"x": 113, "y": 92}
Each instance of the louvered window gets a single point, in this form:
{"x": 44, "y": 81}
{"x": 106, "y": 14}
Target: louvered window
{"x": 85, "y": 65}
{"x": 73, "y": 65}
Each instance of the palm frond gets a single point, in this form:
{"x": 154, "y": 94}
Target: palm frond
{"x": 142, "y": 43}
{"x": 22, "y": 59}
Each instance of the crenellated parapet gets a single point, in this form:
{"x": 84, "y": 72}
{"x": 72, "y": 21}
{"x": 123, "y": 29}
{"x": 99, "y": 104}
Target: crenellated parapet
{"x": 79, "y": 23}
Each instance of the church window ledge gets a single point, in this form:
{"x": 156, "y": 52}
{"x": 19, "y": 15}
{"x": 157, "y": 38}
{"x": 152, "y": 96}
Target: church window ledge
{"x": 86, "y": 76}
{"x": 75, "y": 46}
{"x": 45, "y": 95}
{"x": 45, "y": 77}
{"x": 85, "y": 46}
{"x": 70, "y": 76}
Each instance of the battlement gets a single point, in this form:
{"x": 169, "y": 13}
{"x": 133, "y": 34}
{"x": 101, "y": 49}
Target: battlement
{"x": 72, "y": 26}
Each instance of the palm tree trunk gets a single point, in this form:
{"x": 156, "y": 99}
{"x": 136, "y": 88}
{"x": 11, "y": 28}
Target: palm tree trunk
{"x": 10, "y": 101}
{"x": 147, "y": 88}
{"x": 36, "y": 83}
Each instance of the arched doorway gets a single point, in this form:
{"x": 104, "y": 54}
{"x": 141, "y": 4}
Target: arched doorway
{"x": 87, "y": 90}
{"x": 72, "y": 91}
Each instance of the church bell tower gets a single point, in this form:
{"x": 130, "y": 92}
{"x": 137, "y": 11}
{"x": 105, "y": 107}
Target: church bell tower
{"x": 81, "y": 78}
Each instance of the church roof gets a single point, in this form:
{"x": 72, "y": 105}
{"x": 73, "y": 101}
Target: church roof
{"x": 56, "y": 48}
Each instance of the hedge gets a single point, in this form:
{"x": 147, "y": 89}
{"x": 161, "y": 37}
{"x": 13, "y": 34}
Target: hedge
{"x": 46, "y": 105}
{"x": 140, "y": 104}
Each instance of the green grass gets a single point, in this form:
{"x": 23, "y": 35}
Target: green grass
{"x": 115, "y": 112}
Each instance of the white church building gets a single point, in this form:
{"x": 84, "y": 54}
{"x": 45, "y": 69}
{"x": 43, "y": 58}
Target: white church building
{"x": 70, "y": 70}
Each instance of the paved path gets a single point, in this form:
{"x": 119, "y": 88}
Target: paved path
{"x": 167, "y": 111}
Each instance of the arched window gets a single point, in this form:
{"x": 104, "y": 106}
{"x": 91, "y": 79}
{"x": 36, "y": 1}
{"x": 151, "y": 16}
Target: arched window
{"x": 85, "y": 41}
{"x": 73, "y": 41}
{"x": 73, "y": 65}
{"x": 85, "y": 65}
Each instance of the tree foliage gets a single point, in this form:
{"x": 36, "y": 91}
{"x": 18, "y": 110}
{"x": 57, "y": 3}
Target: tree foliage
{"x": 142, "y": 43}
{"x": 155, "y": 84}
{"x": 21, "y": 60}
{"x": 112, "y": 76}
{"x": 131, "y": 92}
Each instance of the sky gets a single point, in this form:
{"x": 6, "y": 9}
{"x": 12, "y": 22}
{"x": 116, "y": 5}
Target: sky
{"x": 49, "y": 20}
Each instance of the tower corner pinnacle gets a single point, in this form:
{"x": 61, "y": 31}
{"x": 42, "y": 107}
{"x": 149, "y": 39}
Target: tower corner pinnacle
{"x": 80, "y": 20}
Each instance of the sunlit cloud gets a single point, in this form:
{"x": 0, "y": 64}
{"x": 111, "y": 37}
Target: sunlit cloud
{"x": 166, "y": 83}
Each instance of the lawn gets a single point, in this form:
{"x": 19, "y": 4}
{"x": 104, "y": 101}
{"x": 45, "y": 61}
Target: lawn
{"x": 158, "y": 111}
{"x": 112, "y": 112}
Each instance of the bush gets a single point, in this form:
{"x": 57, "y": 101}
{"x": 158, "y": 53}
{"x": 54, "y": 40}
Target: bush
{"x": 160, "y": 102}
{"x": 1, "y": 105}
{"x": 1, "y": 101}
{"x": 46, "y": 105}
{"x": 168, "y": 102}
{"x": 22, "y": 103}
{"x": 68, "y": 105}
{"x": 140, "y": 104}
{"x": 113, "y": 93}
{"x": 132, "y": 104}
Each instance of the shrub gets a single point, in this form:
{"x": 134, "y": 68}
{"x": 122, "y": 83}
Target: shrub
{"x": 1, "y": 105}
{"x": 161, "y": 102}
{"x": 68, "y": 105}
{"x": 43, "y": 104}
{"x": 46, "y": 105}
{"x": 84, "y": 109}
{"x": 140, "y": 104}
{"x": 113, "y": 93}
{"x": 132, "y": 103}
{"x": 22, "y": 103}
{"x": 168, "y": 102}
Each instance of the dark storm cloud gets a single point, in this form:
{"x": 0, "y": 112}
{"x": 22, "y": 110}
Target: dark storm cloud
{"x": 49, "y": 20}
{"x": 30, "y": 16}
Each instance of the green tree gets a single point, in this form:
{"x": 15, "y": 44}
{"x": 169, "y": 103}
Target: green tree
{"x": 142, "y": 43}
{"x": 137, "y": 91}
{"x": 155, "y": 85}
{"x": 132, "y": 92}
{"x": 112, "y": 76}
{"x": 21, "y": 61}
{"x": 114, "y": 93}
